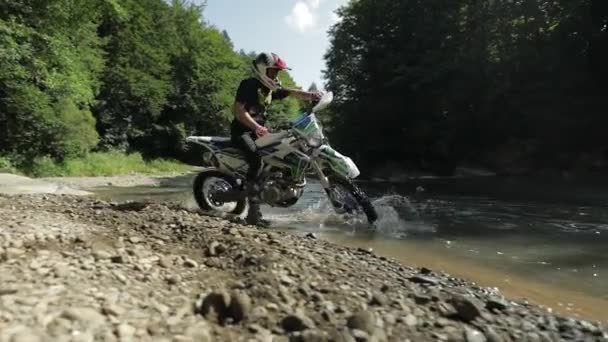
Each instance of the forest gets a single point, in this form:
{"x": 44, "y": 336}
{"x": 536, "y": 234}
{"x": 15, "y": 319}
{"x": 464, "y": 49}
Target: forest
{"x": 114, "y": 76}
{"x": 515, "y": 86}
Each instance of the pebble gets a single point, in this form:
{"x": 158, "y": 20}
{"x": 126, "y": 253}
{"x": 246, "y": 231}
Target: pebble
{"x": 379, "y": 299}
{"x": 297, "y": 322}
{"x": 496, "y": 303}
{"x": 473, "y": 335}
{"x": 125, "y": 332}
{"x": 165, "y": 262}
{"x": 410, "y": 320}
{"x": 282, "y": 287}
{"x": 190, "y": 263}
{"x": 362, "y": 320}
{"x": 424, "y": 280}
{"x": 467, "y": 309}
{"x": 240, "y": 306}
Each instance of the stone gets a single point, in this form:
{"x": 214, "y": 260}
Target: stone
{"x": 474, "y": 335}
{"x": 88, "y": 317}
{"x": 165, "y": 262}
{"x": 26, "y": 335}
{"x": 199, "y": 332}
{"x": 496, "y": 303}
{"x": 240, "y": 306}
{"x": 215, "y": 249}
{"x": 492, "y": 335}
{"x": 362, "y": 320}
{"x": 410, "y": 320}
{"x": 297, "y": 322}
{"x": 425, "y": 280}
{"x": 190, "y": 263}
{"x": 214, "y": 304}
{"x": 112, "y": 309}
{"x": 134, "y": 239}
{"x": 101, "y": 255}
{"x": 467, "y": 309}
{"x": 125, "y": 332}
{"x": 379, "y": 299}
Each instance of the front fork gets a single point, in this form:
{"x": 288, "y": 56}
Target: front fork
{"x": 339, "y": 207}
{"x": 322, "y": 178}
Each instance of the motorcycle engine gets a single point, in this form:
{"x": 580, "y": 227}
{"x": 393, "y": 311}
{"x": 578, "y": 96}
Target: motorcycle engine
{"x": 277, "y": 190}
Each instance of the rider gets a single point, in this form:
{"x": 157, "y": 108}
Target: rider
{"x": 253, "y": 96}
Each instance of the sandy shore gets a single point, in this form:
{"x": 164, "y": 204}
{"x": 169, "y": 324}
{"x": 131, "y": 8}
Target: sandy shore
{"x": 117, "y": 181}
{"x": 80, "y": 269}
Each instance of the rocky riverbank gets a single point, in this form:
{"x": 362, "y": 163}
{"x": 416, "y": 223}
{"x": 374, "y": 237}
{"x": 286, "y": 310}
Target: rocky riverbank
{"x": 80, "y": 269}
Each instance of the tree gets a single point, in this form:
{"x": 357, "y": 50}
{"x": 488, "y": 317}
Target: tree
{"x": 50, "y": 59}
{"x": 493, "y": 82}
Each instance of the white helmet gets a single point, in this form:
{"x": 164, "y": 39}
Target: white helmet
{"x": 265, "y": 61}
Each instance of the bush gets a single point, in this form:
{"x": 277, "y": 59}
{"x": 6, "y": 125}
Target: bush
{"x": 103, "y": 164}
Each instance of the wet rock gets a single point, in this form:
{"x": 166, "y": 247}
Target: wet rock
{"x": 496, "y": 303}
{"x": 297, "y": 322}
{"x": 311, "y": 236}
{"x": 425, "y": 280}
{"x": 425, "y": 271}
{"x": 362, "y": 320}
{"x": 467, "y": 309}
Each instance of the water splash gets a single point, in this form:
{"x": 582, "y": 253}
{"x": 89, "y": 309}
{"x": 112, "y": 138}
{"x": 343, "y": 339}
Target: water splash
{"x": 397, "y": 217}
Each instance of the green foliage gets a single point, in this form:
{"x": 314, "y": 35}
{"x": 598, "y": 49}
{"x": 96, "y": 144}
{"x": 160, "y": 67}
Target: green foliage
{"x": 131, "y": 75}
{"x": 6, "y": 165}
{"x": 47, "y": 60}
{"x": 437, "y": 83}
{"x": 103, "y": 164}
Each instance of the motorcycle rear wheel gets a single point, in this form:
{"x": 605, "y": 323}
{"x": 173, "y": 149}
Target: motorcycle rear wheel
{"x": 209, "y": 181}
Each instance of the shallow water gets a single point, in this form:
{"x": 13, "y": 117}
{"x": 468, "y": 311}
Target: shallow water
{"x": 544, "y": 242}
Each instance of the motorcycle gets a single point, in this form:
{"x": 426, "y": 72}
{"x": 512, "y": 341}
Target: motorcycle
{"x": 288, "y": 156}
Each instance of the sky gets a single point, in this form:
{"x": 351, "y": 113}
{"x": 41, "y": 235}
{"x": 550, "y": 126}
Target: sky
{"x": 296, "y": 30}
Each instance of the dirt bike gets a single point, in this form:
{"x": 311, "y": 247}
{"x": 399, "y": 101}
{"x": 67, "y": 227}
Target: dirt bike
{"x": 288, "y": 156}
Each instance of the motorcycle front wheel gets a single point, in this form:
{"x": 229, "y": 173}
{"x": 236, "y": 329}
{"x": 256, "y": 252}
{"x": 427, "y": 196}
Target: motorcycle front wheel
{"x": 347, "y": 198}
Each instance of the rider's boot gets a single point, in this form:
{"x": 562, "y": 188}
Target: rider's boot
{"x": 254, "y": 215}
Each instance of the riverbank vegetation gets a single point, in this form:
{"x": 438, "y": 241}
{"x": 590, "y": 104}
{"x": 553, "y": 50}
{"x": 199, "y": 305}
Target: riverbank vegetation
{"x": 513, "y": 86}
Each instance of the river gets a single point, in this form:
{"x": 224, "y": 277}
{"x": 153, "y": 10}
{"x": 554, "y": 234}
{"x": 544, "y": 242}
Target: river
{"x": 534, "y": 239}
